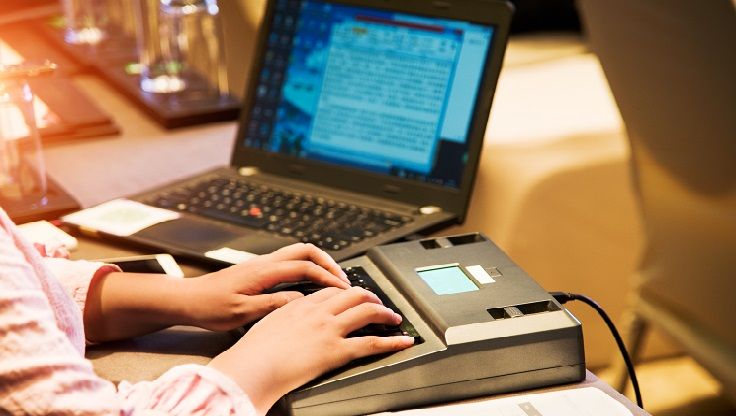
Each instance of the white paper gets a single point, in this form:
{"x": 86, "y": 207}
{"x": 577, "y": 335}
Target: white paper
{"x": 121, "y": 217}
{"x": 230, "y": 255}
{"x": 48, "y": 234}
{"x": 586, "y": 401}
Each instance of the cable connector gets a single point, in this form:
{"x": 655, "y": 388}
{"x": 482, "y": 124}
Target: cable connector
{"x": 561, "y": 297}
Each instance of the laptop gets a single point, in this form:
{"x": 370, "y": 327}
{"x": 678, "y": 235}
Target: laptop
{"x": 362, "y": 124}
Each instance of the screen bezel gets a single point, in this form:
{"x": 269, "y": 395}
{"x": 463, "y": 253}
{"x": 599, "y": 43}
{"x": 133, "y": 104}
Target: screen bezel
{"x": 455, "y": 200}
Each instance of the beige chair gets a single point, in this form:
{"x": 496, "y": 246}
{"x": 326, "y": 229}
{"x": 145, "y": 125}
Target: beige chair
{"x": 554, "y": 142}
{"x": 671, "y": 65}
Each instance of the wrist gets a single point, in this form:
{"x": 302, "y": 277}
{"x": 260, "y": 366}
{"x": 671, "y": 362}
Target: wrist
{"x": 210, "y": 302}
{"x": 252, "y": 375}
{"x": 188, "y": 301}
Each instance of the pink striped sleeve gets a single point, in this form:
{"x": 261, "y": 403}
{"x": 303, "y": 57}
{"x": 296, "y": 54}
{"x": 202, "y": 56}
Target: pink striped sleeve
{"x": 42, "y": 370}
{"x": 189, "y": 390}
{"x": 76, "y": 276}
{"x": 42, "y": 367}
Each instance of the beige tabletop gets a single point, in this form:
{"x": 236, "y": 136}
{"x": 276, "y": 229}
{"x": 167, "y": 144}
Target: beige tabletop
{"x": 146, "y": 156}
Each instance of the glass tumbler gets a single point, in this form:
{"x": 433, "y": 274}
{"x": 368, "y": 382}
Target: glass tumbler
{"x": 86, "y": 21}
{"x": 180, "y": 47}
{"x": 22, "y": 167}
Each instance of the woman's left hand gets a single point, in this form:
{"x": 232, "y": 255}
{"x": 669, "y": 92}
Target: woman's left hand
{"x": 232, "y": 297}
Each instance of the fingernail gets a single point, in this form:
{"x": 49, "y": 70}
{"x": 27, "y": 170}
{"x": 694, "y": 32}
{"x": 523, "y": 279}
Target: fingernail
{"x": 408, "y": 340}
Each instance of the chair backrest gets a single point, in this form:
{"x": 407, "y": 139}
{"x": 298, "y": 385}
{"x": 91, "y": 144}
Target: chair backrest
{"x": 671, "y": 65}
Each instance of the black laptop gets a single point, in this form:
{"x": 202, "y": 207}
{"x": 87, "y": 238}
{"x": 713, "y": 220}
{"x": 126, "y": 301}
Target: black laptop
{"x": 362, "y": 124}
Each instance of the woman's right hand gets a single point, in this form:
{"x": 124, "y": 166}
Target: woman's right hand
{"x": 305, "y": 338}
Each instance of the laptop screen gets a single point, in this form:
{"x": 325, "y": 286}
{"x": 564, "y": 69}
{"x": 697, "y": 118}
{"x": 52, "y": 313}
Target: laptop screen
{"x": 390, "y": 93}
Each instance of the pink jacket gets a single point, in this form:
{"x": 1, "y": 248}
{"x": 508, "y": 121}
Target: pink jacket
{"x": 42, "y": 366}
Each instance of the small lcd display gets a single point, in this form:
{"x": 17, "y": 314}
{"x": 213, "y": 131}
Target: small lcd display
{"x": 447, "y": 280}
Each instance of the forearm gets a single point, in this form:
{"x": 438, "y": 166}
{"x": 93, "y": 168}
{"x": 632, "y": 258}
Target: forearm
{"x": 123, "y": 305}
{"x": 120, "y": 305}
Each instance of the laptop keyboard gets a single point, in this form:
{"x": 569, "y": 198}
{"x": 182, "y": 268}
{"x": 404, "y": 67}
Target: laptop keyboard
{"x": 326, "y": 223}
{"x": 359, "y": 277}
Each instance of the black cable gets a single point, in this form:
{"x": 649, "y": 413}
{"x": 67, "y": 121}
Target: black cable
{"x": 563, "y": 297}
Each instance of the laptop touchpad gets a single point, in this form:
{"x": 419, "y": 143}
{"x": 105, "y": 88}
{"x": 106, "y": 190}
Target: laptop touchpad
{"x": 191, "y": 233}
{"x": 258, "y": 243}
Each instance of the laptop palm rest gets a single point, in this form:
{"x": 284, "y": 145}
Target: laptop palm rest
{"x": 193, "y": 235}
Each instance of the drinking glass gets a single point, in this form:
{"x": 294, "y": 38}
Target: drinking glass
{"x": 86, "y": 21}
{"x": 180, "y": 47}
{"x": 22, "y": 167}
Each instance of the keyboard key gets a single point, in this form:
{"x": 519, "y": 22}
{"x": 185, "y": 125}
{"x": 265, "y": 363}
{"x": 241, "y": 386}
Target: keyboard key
{"x": 330, "y": 224}
{"x": 248, "y": 220}
{"x": 359, "y": 277}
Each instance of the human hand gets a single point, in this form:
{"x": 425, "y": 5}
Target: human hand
{"x": 232, "y": 297}
{"x": 311, "y": 332}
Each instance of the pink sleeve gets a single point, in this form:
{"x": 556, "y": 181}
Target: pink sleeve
{"x": 76, "y": 275}
{"x": 42, "y": 367}
{"x": 189, "y": 390}
{"x": 41, "y": 364}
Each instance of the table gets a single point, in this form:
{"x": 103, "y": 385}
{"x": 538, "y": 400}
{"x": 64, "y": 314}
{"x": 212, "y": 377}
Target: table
{"x": 554, "y": 141}
{"x": 517, "y": 169}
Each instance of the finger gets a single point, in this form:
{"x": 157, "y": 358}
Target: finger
{"x": 367, "y": 313}
{"x": 301, "y": 251}
{"x": 324, "y": 294}
{"x": 359, "y": 347}
{"x": 350, "y": 298}
{"x": 299, "y": 270}
{"x": 261, "y": 305}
